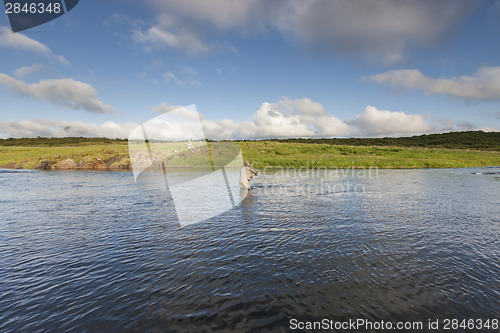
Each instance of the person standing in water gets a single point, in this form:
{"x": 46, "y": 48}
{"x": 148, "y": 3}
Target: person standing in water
{"x": 245, "y": 175}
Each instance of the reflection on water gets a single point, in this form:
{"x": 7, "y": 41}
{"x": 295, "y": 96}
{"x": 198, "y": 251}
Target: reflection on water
{"x": 93, "y": 251}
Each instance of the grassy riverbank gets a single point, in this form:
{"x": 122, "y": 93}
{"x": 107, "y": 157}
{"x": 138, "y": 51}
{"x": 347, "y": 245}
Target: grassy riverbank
{"x": 475, "y": 149}
{"x": 95, "y": 156}
{"x": 336, "y": 156}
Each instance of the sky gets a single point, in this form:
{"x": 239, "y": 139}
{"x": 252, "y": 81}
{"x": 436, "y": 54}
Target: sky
{"x": 255, "y": 68}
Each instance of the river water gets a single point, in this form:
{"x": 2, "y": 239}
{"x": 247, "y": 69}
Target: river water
{"x": 93, "y": 251}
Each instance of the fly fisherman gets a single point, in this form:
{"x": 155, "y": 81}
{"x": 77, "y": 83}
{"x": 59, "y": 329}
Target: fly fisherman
{"x": 245, "y": 175}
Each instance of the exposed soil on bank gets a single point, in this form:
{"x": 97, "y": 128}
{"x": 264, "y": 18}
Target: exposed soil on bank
{"x": 120, "y": 162}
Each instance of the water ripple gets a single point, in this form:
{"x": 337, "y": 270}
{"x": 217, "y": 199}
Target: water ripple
{"x": 90, "y": 251}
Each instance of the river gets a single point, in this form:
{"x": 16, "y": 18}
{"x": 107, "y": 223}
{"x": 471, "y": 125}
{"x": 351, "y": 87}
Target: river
{"x": 93, "y": 251}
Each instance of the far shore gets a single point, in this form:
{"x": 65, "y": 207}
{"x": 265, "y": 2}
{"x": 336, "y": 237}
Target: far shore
{"x": 261, "y": 154}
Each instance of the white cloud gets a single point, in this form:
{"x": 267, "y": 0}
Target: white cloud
{"x": 223, "y": 14}
{"x": 62, "y": 60}
{"x": 169, "y": 76}
{"x": 302, "y": 117}
{"x": 23, "y": 42}
{"x": 374, "y": 122}
{"x": 63, "y": 92}
{"x": 167, "y": 33}
{"x": 287, "y": 118}
{"x": 60, "y": 128}
{"x": 186, "y": 76}
{"x": 484, "y": 85}
{"x": 33, "y": 69}
{"x": 304, "y": 106}
{"x": 377, "y": 31}
{"x": 164, "y": 108}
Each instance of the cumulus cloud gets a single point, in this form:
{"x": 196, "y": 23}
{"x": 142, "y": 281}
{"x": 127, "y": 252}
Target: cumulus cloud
{"x": 289, "y": 118}
{"x": 60, "y": 128}
{"x": 303, "y": 106}
{"x": 374, "y": 122}
{"x": 286, "y": 119}
{"x": 378, "y": 30}
{"x": 23, "y": 42}
{"x": 63, "y": 92}
{"x": 484, "y": 85}
{"x": 33, "y": 69}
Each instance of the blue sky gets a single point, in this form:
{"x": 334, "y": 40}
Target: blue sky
{"x": 256, "y": 69}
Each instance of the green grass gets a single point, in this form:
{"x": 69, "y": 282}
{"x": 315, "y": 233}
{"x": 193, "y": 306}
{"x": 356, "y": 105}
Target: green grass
{"x": 267, "y": 153}
{"x": 454, "y": 140}
{"x": 261, "y": 154}
{"x": 86, "y": 156}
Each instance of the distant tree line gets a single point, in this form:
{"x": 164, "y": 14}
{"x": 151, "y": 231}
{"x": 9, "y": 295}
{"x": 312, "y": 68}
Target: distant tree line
{"x": 69, "y": 141}
{"x": 454, "y": 140}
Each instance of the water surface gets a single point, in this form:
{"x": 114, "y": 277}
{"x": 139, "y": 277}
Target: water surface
{"x": 92, "y": 251}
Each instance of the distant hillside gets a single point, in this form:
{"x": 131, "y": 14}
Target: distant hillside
{"x": 455, "y": 140}
{"x": 54, "y": 142}
{"x": 450, "y": 150}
